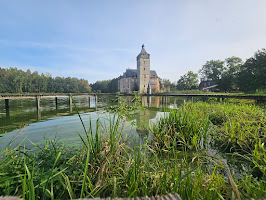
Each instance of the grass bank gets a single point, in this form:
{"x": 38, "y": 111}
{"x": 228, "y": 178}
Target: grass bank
{"x": 200, "y": 151}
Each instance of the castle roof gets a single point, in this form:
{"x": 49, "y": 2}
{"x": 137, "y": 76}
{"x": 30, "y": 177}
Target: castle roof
{"x": 143, "y": 53}
{"x": 153, "y": 73}
{"x": 131, "y": 73}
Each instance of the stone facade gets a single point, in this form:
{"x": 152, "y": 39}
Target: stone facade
{"x": 141, "y": 79}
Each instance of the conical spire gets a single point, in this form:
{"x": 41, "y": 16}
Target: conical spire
{"x": 143, "y": 50}
{"x": 143, "y": 53}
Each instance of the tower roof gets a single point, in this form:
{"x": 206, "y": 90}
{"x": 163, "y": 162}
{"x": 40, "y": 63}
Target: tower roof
{"x": 143, "y": 53}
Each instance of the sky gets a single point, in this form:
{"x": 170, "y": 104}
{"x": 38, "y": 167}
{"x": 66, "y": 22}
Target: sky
{"x": 98, "y": 40}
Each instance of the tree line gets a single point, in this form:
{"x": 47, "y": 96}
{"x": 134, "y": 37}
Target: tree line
{"x": 230, "y": 74}
{"x": 105, "y": 86}
{"x": 14, "y": 80}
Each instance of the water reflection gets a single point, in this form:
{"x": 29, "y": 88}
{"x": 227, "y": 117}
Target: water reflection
{"x": 58, "y": 116}
{"x": 20, "y": 112}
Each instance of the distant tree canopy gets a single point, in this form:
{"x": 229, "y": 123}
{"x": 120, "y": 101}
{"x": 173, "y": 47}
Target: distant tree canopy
{"x": 188, "y": 81}
{"x": 167, "y": 83}
{"x": 106, "y": 86}
{"x": 252, "y": 74}
{"x": 233, "y": 74}
{"x": 13, "y": 80}
{"x": 223, "y": 73}
{"x": 230, "y": 74}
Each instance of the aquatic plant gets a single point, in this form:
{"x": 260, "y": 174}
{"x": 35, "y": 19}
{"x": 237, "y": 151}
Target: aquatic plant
{"x": 176, "y": 160}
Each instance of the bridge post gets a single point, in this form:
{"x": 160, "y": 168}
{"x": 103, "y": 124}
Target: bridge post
{"x": 162, "y": 99}
{"x": 7, "y": 114}
{"x": 148, "y": 100}
{"x": 89, "y": 100}
{"x": 70, "y": 104}
{"x": 56, "y": 102}
{"x": 7, "y": 108}
{"x": 218, "y": 99}
{"x": 96, "y": 102}
{"x": 38, "y": 102}
{"x": 7, "y": 104}
{"x": 38, "y": 105}
{"x": 69, "y": 100}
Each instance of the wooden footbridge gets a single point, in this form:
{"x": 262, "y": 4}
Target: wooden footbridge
{"x": 38, "y": 97}
{"x": 257, "y": 98}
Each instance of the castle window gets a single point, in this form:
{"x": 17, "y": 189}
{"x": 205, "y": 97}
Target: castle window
{"x": 144, "y": 85}
{"x": 144, "y": 76}
{"x": 144, "y": 68}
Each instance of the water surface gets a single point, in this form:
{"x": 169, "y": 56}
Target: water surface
{"x": 23, "y": 120}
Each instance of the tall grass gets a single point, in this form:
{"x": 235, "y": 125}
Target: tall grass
{"x": 176, "y": 160}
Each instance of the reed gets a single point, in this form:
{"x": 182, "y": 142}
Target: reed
{"x": 176, "y": 159}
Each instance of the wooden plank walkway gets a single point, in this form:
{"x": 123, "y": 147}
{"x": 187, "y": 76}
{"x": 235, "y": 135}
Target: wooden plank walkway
{"x": 258, "y": 98}
{"x": 30, "y": 96}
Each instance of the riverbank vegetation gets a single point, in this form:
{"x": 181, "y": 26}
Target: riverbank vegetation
{"x": 231, "y": 74}
{"x": 203, "y": 150}
{"x": 14, "y": 80}
{"x": 105, "y": 86}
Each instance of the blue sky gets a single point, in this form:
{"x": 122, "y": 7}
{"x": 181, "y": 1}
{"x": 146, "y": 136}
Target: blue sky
{"x": 98, "y": 40}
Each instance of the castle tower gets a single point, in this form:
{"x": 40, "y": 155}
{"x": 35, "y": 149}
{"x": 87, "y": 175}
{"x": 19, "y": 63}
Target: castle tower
{"x": 143, "y": 70}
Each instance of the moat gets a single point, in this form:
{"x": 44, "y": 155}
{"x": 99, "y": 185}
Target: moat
{"x": 60, "y": 121}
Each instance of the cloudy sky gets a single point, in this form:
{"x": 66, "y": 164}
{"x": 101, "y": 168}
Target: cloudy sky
{"x": 98, "y": 40}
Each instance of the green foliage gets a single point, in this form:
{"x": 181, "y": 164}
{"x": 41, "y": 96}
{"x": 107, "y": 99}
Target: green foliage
{"x": 106, "y": 86}
{"x": 168, "y": 84}
{"x": 252, "y": 75}
{"x": 212, "y": 70}
{"x": 188, "y": 82}
{"x": 223, "y": 73}
{"x": 106, "y": 166}
{"x": 13, "y": 80}
{"x": 232, "y": 74}
{"x": 183, "y": 127}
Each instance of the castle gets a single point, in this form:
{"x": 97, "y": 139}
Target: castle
{"x": 141, "y": 79}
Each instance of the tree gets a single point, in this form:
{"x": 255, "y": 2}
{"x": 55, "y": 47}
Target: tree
{"x": 106, "y": 86}
{"x": 252, "y": 75}
{"x": 113, "y": 85}
{"x": 223, "y": 73}
{"x": 188, "y": 81}
{"x": 14, "y": 80}
{"x": 168, "y": 83}
{"x": 229, "y": 76}
{"x": 212, "y": 70}
{"x": 136, "y": 87}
